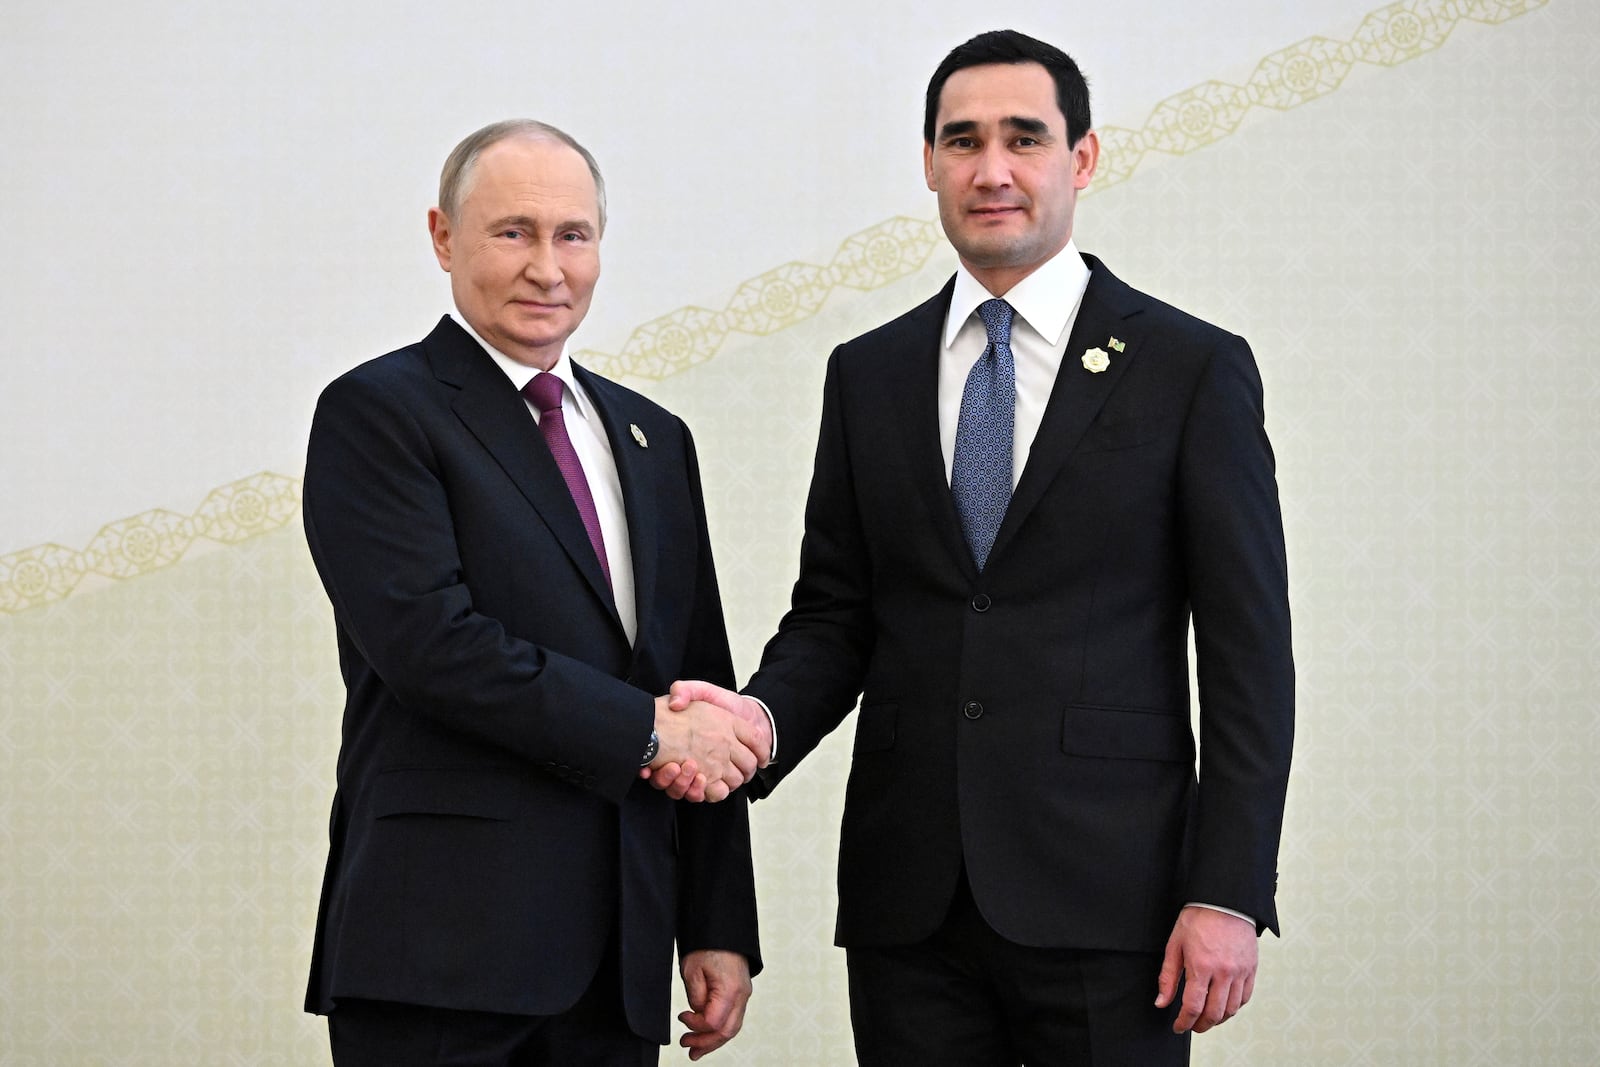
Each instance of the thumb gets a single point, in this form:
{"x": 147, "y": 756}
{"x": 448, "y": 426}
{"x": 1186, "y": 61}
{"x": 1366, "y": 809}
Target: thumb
{"x": 683, "y": 693}
{"x": 1171, "y": 969}
{"x": 694, "y": 988}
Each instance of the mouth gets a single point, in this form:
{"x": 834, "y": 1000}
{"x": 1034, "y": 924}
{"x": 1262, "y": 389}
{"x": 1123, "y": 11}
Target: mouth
{"x": 990, "y": 212}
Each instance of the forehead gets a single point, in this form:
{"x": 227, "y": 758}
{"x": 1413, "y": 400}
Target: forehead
{"x": 528, "y": 172}
{"x": 997, "y": 91}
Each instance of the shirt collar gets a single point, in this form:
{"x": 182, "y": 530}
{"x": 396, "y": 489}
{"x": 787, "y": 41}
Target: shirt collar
{"x": 521, "y": 374}
{"x": 1045, "y": 299}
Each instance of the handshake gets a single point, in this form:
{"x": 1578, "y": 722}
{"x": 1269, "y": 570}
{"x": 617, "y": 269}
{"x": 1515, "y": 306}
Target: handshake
{"x": 712, "y": 741}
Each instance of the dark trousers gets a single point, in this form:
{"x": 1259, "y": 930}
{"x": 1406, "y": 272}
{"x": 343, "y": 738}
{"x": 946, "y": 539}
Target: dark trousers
{"x": 967, "y": 997}
{"x": 592, "y": 1033}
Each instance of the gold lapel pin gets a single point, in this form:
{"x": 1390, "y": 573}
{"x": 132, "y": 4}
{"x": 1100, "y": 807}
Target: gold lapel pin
{"x": 1116, "y": 345}
{"x": 638, "y": 435}
{"x": 1096, "y": 361}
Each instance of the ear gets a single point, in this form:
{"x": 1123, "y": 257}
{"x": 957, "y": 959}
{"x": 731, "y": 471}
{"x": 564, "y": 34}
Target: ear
{"x": 927, "y": 166}
{"x": 439, "y": 230}
{"x": 1085, "y": 157}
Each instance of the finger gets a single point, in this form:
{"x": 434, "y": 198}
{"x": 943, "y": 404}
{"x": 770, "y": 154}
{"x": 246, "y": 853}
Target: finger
{"x": 1235, "y": 998}
{"x": 663, "y": 776}
{"x": 751, "y": 724}
{"x": 702, "y": 1041}
{"x": 734, "y": 1021}
{"x": 717, "y": 790}
{"x": 1194, "y": 1004}
{"x": 1167, "y": 980}
{"x": 732, "y": 776}
{"x": 1215, "y": 1012}
{"x": 746, "y": 761}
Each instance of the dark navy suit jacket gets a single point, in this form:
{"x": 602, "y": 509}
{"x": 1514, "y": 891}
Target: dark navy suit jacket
{"x": 489, "y": 832}
{"x": 1032, "y": 722}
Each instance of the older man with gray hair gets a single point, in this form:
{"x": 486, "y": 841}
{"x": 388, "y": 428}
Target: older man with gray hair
{"x": 516, "y": 554}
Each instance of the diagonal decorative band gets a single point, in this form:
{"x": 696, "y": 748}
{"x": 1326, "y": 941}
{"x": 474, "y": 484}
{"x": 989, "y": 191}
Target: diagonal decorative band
{"x": 147, "y": 542}
{"x": 1178, "y": 125}
{"x": 792, "y": 293}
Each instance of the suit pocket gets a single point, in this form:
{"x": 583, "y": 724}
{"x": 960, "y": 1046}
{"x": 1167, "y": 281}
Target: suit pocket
{"x": 1115, "y": 434}
{"x": 1126, "y": 733}
{"x": 875, "y": 727}
{"x": 472, "y": 793}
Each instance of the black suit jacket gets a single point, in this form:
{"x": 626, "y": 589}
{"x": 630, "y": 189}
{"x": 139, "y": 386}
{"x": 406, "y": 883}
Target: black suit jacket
{"x": 1032, "y": 721}
{"x": 489, "y": 831}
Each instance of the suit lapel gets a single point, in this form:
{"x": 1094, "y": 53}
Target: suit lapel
{"x": 915, "y": 416}
{"x": 498, "y": 417}
{"x": 1078, "y": 394}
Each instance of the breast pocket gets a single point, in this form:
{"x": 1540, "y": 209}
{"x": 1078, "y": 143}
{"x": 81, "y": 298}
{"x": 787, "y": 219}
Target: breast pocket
{"x": 1113, "y": 435}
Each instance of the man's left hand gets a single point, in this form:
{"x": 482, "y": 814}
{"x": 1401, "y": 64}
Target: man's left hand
{"x": 1215, "y": 953}
{"x": 717, "y": 984}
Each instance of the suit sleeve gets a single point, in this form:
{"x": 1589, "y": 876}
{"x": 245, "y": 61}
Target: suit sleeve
{"x": 1238, "y": 586}
{"x": 813, "y": 669}
{"x": 716, "y": 879}
{"x": 380, "y": 528}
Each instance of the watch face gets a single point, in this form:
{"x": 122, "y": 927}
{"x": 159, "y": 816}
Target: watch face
{"x": 651, "y": 749}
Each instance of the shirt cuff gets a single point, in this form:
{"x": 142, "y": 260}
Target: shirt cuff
{"x": 1225, "y": 911}
{"x": 772, "y": 757}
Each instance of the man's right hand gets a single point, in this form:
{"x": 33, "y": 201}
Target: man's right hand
{"x": 686, "y": 780}
{"x": 717, "y": 748}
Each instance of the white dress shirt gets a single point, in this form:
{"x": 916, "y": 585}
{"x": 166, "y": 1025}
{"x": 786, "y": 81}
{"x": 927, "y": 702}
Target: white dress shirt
{"x": 1045, "y": 305}
{"x": 588, "y": 435}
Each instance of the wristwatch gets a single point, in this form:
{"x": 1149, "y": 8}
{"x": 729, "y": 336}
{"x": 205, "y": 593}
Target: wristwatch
{"x": 651, "y": 750}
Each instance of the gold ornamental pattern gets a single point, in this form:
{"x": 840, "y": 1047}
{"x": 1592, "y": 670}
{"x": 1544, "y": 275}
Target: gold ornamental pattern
{"x": 147, "y": 542}
{"x": 792, "y": 293}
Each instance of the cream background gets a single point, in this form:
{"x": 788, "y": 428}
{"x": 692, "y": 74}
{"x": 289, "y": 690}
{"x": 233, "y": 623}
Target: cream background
{"x": 1409, "y": 244}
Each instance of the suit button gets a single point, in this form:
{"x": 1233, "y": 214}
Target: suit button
{"x": 973, "y": 710}
{"x": 981, "y": 602}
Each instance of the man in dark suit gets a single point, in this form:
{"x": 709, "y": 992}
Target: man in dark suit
{"x": 516, "y": 553}
{"x": 1023, "y": 490}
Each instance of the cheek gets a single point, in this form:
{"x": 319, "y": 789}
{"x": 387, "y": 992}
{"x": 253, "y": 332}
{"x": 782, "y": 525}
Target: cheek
{"x": 582, "y": 273}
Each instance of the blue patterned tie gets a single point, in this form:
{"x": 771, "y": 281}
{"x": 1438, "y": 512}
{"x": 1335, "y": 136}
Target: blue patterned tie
{"x": 980, "y": 476}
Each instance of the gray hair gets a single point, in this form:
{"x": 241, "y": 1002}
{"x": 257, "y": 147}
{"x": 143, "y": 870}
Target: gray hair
{"x": 456, "y": 178}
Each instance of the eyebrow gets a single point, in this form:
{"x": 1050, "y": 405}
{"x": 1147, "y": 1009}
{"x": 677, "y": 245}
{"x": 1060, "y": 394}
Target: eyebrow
{"x": 1019, "y": 123}
{"x": 529, "y": 223}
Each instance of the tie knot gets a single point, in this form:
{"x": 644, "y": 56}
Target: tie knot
{"x": 996, "y": 315}
{"x": 545, "y": 392}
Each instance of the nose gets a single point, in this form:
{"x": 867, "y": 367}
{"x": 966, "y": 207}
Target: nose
{"x": 543, "y": 267}
{"x": 994, "y": 169}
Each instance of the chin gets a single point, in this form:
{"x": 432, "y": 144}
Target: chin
{"x": 990, "y": 254}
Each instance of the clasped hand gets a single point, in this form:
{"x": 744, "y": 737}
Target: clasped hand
{"x": 712, "y": 742}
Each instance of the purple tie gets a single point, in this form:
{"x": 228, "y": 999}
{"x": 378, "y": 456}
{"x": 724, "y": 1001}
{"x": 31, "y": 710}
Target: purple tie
{"x": 545, "y": 392}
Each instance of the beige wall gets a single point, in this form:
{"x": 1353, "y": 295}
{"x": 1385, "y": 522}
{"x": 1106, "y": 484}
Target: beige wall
{"x": 1405, "y": 230}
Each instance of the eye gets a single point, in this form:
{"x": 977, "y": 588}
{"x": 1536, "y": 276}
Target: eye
{"x": 1027, "y": 142}
{"x": 512, "y": 234}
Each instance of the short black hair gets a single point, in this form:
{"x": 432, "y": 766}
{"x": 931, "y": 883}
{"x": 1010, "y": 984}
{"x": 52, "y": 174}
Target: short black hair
{"x": 1009, "y": 46}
